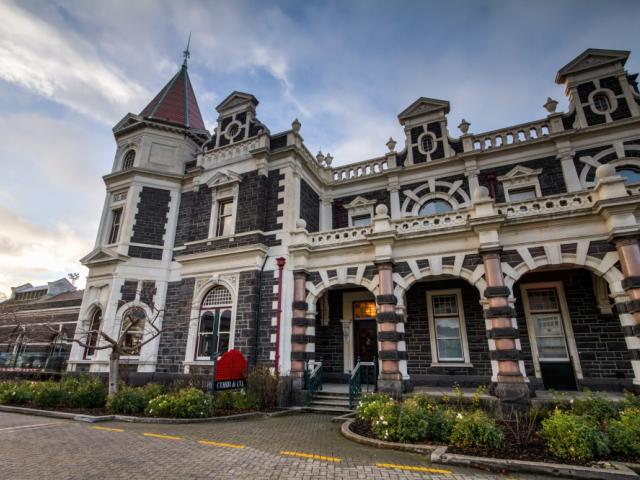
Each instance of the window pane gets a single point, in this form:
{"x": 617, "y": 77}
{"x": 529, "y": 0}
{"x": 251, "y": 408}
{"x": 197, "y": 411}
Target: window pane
{"x": 223, "y": 342}
{"x": 204, "y": 346}
{"x": 447, "y": 328}
{"x": 217, "y": 296}
{"x": 543, "y": 300}
{"x": 450, "y": 349}
{"x": 116, "y": 216}
{"x": 522, "y": 194}
{"x": 444, "y": 305}
{"x": 226, "y": 208}
{"x": 434, "y": 207}
{"x": 206, "y": 323}
{"x": 361, "y": 221}
{"x": 225, "y": 321}
{"x": 548, "y": 325}
{"x": 552, "y": 347}
{"x": 364, "y": 309}
{"x": 631, "y": 176}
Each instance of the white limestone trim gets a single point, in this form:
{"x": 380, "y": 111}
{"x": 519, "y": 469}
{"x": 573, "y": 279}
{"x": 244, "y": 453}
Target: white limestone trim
{"x": 347, "y": 325}
{"x": 521, "y": 177}
{"x": 566, "y": 322}
{"x": 594, "y": 162}
{"x": 359, "y": 206}
{"x": 435, "y": 361}
{"x": 427, "y": 192}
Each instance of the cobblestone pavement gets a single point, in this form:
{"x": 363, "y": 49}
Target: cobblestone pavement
{"x": 291, "y": 447}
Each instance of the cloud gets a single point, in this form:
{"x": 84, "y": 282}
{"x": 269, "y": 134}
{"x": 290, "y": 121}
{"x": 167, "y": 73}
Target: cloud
{"x": 63, "y": 67}
{"x": 33, "y": 254}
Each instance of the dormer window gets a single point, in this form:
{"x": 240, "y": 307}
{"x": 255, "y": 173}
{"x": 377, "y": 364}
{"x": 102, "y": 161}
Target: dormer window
{"x": 601, "y": 103}
{"x": 521, "y": 184}
{"x": 435, "y": 207}
{"x": 128, "y": 159}
{"x": 360, "y": 211}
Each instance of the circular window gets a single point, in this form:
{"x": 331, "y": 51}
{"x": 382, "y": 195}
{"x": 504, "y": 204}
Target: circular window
{"x": 601, "y": 103}
{"x": 232, "y": 130}
{"x": 435, "y": 207}
{"x": 426, "y": 143}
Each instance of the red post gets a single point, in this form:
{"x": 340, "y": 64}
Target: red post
{"x": 280, "y": 262}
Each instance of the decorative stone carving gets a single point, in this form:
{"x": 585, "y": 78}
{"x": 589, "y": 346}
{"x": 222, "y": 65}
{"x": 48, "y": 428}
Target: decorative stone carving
{"x": 295, "y": 125}
{"x": 381, "y": 209}
{"x": 464, "y": 126}
{"x": 551, "y": 105}
{"x": 391, "y": 144}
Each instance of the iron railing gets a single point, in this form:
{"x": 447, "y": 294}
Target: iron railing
{"x": 313, "y": 379}
{"x": 363, "y": 372}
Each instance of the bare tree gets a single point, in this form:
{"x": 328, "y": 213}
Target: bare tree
{"x": 136, "y": 330}
{"x": 12, "y": 330}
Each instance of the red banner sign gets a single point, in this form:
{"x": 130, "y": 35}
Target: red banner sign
{"x": 231, "y": 370}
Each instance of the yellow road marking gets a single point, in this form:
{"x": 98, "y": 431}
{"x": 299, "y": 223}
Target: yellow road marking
{"x": 166, "y": 437}
{"x": 412, "y": 468}
{"x": 220, "y": 444}
{"x": 109, "y": 429}
{"x": 310, "y": 455}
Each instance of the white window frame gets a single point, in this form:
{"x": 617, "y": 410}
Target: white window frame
{"x": 519, "y": 178}
{"x": 196, "y": 354}
{"x": 222, "y": 194}
{"x": 566, "y": 324}
{"x": 112, "y": 211}
{"x": 435, "y": 361}
{"x": 358, "y": 207}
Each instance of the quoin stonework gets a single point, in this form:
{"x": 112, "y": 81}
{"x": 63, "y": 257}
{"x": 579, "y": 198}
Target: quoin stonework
{"x": 507, "y": 258}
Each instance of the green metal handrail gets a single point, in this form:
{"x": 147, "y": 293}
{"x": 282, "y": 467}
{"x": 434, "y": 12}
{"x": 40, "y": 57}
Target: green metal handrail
{"x": 355, "y": 379}
{"x": 313, "y": 379}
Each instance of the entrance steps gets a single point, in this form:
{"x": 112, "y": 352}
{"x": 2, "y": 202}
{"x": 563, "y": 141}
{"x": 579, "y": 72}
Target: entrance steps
{"x": 330, "y": 402}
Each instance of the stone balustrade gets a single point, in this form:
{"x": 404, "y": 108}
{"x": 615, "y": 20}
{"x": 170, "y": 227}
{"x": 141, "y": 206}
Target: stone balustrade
{"x": 361, "y": 169}
{"x": 433, "y": 222}
{"x": 548, "y": 205}
{"x": 340, "y": 235}
{"x": 523, "y": 133}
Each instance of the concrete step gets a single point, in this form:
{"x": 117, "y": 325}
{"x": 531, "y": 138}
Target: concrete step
{"x": 331, "y": 403}
{"x": 331, "y": 396}
{"x": 327, "y": 409}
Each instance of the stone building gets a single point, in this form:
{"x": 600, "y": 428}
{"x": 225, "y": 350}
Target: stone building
{"x": 507, "y": 257}
{"x": 36, "y": 325}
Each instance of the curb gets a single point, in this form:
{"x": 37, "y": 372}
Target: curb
{"x": 130, "y": 419}
{"x": 372, "y": 442}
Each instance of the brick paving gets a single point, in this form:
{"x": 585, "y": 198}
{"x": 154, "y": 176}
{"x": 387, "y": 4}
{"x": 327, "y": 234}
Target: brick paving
{"x": 44, "y": 448}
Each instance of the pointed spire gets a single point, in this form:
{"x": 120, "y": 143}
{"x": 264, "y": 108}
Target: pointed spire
{"x": 186, "y": 53}
{"x": 176, "y": 103}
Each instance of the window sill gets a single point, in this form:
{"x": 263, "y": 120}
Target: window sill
{"x": 452, "y": 364}
{"x": 199, "y": 362}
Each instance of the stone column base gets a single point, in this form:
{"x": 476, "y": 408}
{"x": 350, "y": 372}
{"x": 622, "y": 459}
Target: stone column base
{"x": 513, "y": 397}
{"x": 297, "y": 381}
{"x": 394, "y": 386}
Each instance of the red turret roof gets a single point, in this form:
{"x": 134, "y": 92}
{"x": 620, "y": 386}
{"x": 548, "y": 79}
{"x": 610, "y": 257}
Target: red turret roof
{"x": 176, "y": 103}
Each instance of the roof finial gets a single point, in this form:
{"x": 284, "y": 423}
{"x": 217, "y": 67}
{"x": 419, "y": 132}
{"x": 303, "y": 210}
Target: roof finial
{"x": 186, "y": 53}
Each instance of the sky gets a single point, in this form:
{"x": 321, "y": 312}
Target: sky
{"x": 70, "y": 70}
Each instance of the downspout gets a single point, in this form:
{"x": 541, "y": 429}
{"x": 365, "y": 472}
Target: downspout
{"x": 256, "y": 338}
{"x": 280, "y": 261}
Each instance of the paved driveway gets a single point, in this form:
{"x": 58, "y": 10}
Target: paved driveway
{"x": 305, "y": 446}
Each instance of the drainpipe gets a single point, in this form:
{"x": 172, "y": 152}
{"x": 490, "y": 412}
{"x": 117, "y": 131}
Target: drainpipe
{"x": 256, "y": 336}
{"x": 280, "y": 261}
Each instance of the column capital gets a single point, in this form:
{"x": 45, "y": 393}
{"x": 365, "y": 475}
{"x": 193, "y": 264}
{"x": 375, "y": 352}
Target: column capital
{"x": 623, "y": 239}
{"x": 490, "y": 251}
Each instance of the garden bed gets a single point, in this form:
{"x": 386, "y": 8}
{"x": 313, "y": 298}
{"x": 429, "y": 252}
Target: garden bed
{"x": 589, "y": 432}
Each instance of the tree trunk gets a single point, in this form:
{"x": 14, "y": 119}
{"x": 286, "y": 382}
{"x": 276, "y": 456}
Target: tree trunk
{"x": 114, "y": 372}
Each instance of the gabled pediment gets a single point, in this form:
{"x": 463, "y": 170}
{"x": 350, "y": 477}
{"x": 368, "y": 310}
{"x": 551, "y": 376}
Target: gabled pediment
{"x": 590, "y": 59}
{"x": 237, "y": 99}
{"x": 128, "y": 120}
{"x": 518, "y": 172}
{"x": 424, "y": 106}
{"x": 102, "y": 255}
{"x": 220, "y": 179}
{"x": 359, "y": 202}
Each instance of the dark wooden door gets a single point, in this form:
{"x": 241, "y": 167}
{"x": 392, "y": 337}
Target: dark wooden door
{"x": 365, "y": 340}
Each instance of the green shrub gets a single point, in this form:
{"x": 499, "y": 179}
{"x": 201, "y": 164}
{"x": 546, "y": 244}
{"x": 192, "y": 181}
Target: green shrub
{"x": 15, "y": 392}
{"x": 185, "y": 403}
{"x": 630, "y": 400}
{"x": 441, "y": 423}
{"x": 234, "y": 400}
{"x": 262, "y": 387}
{"x": 385, "y": 425}
{"x": 85, "y": 392}
{"x": 594, "y": 405}
{"x": 370, "y": 405}
{"x": 624, "y": 434}
{"x": 132, "y": 400}
{"x": 413, "y": 422}
{"x": 48, "y": 394}
{"x": 573, "y": 437}
{"x": 476, "y": 429}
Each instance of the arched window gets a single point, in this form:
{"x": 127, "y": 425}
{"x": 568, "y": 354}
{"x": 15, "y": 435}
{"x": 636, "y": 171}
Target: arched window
{"x": 434, "y": 207}
{"x": 214, "y": 329}
{"x": 127, "y": 160}
{"x": 93, "y": 333}
{"x": 133, "y": 322}
{"x": 631, "y": 174}
{"x": 601, "y": 102}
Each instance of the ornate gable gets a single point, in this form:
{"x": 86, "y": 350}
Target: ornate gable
{"x": 424, "y": 106}
{"x": 220, "y": 179}
{"x": 519, "y": 172}
{"x": 102, "y": 255}
{"x": 235, "y": 100}
{"x": 590, "y": 59}
{"x": 359, "y": 202}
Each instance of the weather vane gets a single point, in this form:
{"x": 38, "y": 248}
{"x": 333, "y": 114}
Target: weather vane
{"x": 186, "y": 53}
